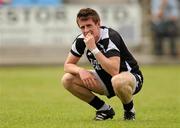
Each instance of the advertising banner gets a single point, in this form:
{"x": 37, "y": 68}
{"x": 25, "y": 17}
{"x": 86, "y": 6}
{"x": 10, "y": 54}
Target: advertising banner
{"x": 57, "y": 25}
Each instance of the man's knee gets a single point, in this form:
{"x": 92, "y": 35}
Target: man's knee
{"x": 67, "y": 80}
{"x": 120, "y": 82}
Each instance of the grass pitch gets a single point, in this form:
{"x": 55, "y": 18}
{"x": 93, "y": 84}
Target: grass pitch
{"x": 33, "y": 97}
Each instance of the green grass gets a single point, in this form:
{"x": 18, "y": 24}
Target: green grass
{"x": 33, "y": 97}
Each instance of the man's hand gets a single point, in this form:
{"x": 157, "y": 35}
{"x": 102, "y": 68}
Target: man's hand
{"x": 90, "y": 41}
{"x": 88, "y": 79}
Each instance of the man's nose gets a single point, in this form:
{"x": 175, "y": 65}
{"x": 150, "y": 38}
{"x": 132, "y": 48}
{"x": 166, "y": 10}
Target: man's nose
{"x": 86, "y": 29}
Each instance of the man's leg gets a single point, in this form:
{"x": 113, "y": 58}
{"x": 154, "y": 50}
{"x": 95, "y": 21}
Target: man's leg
{"x": 124, "y": 87}
{"x": 74, "y": 85}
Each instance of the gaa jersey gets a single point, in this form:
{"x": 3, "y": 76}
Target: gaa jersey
{"x": 110, "y": 44}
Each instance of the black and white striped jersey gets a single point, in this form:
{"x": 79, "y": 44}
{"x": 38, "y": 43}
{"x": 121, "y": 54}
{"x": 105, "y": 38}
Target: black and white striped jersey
{"x": 110, "y": 44}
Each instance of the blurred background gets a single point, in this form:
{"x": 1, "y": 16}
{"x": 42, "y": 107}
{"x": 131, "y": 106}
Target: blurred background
{"x": 40, "y": 32}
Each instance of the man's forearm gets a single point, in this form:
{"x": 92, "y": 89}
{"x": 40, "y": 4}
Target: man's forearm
{"x": 71, "y": 68}
{"x": 110, "y": 65}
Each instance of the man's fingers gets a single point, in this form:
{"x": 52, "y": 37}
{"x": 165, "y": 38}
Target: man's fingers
{"x": 85, "y": 40}
{"x": 89, "y": 83}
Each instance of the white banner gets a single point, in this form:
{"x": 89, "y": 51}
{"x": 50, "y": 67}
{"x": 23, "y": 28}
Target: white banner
{"x": 57, "y": 25}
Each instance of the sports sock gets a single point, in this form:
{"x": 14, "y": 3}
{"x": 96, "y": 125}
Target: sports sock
{"x": 129, "y": 106}
{"x": 97, "y": 103}
{"x": 104, "y": 107}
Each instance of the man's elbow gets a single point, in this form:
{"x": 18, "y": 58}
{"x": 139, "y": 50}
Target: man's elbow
{"x": 115, "y": 72}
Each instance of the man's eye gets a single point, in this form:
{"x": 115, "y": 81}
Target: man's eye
{"x": 82, "y": 27}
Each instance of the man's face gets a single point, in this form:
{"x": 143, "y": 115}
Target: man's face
{"x": 88, "y": 26}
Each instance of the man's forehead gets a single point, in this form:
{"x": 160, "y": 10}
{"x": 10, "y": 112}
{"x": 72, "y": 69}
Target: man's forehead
{"x": 89, "y": 21}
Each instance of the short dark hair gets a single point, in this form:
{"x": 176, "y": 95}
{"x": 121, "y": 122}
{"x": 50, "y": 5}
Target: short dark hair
{"x": 86, "y": 13}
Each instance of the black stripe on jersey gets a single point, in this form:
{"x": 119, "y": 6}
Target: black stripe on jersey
{"x": 112, "y": 52}
{"x": 75, "y": 54}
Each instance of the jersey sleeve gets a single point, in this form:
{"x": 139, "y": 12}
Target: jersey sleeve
{"x": 116, "y": 44}
{"x": 78, "y": 47}
{"x": 112, "y": 50}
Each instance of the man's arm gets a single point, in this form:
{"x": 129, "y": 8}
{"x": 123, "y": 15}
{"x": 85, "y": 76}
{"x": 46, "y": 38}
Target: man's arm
{"x": 110, "y": 65}
{"x": 70, "y": 65}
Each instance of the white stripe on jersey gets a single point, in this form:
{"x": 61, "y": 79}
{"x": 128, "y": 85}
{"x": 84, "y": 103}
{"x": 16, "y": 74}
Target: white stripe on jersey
{"x": 74, "y": 48}
{"x": 128, "y": 66}
{"x": 104, "y": 33}
{"x": 81, "y": 36}
{"x": 111, "y": 46}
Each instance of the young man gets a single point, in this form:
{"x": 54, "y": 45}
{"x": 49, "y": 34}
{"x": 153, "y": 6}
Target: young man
{"x": 115, "y": 72}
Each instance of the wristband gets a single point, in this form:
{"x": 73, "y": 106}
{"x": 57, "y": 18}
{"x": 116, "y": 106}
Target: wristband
{"x": 95, "y": 51}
